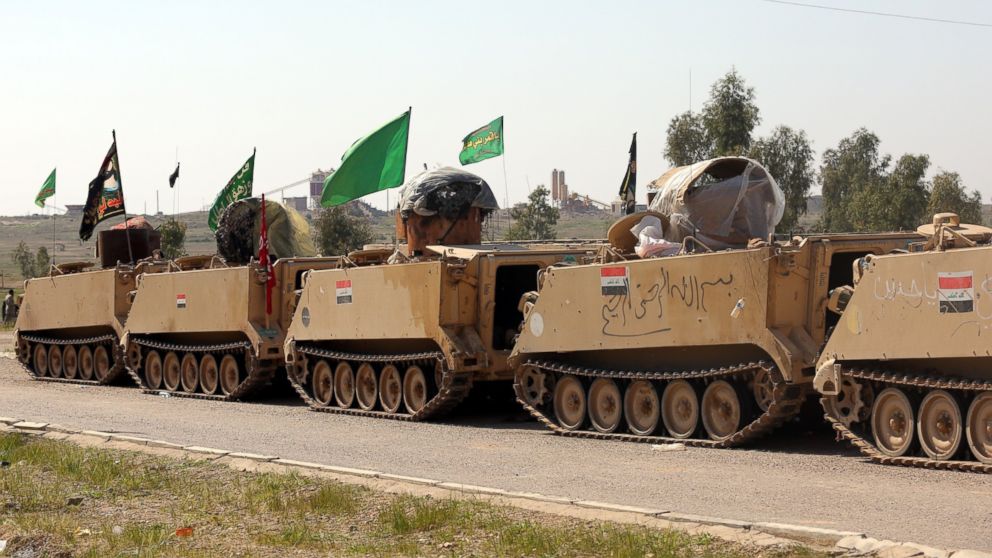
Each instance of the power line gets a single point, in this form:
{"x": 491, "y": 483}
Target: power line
{"x": 883, "y": 14}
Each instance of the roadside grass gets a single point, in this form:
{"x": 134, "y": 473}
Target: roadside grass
{"x": 59, "y": 499}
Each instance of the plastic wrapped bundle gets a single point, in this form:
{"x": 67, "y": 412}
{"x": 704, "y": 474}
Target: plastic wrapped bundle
{"x": 239, "y": 231}
{"x": 723, "y": 202}
{"x": 447, "y": 192}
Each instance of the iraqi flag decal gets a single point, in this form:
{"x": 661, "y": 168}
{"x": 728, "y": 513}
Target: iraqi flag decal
{"x": 955, "y": 292}
{"x": 614, "y": 280}
{"x": 343, "y": 291}
{"x": 181, "y": 301}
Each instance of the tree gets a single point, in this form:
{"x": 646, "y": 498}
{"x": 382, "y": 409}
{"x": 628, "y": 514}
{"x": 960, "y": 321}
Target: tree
{"x": 788, "y": 156}
{"x": 730, "y": 115}
{"x": 42, "y": 262}
{"x": 24, "y": 260}
{"x": 850, "y": 176}
{"x": 687, "y": 140}
{"x": 948, "y": 195}
{"x": 337, "y": 233}
{"x": 906, "y": 195}
{"x": 535, "y": 220}
{"x": 173, "y": 239}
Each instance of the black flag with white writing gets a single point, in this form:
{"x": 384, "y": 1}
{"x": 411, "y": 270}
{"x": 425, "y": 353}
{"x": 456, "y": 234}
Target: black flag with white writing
{"x": 628, "y": 187}
{"x": 174, "y": 176}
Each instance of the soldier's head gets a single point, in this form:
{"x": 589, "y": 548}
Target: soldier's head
{"x": 11, "y": 292}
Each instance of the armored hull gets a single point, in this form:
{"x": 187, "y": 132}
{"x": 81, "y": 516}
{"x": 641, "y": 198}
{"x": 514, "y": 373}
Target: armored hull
{"x": 710, "y": 349}
{"x": 207, "y": 333}
{"x": 907, "y": 373}
{"x": 407, "y": 340}
{"x": 70, "y": 325}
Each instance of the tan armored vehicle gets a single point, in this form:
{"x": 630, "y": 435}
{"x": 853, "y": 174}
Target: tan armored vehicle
{"x": 406, "y": 338}
{"x": 905, "y": 376}
{"x": 202, "y": 330}
{"x": 71, "y": 321}
{"x": 713, "y": 343}
{"x": 212, "y": 330}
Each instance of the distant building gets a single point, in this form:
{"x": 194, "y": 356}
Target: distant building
{"x": 71, "y": 209}
{"x": 298, "y": 203}
{"x": 317, "y": 179}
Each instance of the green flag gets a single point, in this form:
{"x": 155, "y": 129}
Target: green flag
{"x": 47, "y": 190}
{"x": 482, "y": 144}
{"x": 373, "y": 163}
{"x": 238, "y": 188}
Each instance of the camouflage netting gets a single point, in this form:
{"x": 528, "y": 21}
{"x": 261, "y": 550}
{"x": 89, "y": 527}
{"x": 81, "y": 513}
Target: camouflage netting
{"x": 724, "y": 202}
{"x": 240, "y": 227}
{"x": 446, "y": 191}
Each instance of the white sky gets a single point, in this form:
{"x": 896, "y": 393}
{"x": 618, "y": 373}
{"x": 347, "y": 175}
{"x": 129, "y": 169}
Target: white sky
{"x": 302, "y": 80}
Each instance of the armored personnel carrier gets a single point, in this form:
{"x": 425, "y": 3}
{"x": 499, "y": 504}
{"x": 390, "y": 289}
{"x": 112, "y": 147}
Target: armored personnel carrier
{"x": 696, "y": 326}
{"x": 406, "y": 335}
{"x": 905, "y": 375}
{"x": 72, "y": 320}
{"x": 213, "y": 327}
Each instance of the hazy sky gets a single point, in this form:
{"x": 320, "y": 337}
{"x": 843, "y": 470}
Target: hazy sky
{"x": 302, "y": 80}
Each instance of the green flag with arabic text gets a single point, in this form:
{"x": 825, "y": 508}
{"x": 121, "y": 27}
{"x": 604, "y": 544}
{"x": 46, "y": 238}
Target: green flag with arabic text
{"x": 47, "y": 190}
{"x": 237, "y": 188}
{"x": 482, "y": 144}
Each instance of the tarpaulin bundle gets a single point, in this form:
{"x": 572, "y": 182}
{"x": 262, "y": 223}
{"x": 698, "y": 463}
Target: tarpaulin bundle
{"x": 724, "y": 202}
{"x": 446, "y": 191}
{"x": 239, "y": 231}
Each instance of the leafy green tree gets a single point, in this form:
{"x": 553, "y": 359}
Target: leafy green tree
{"x": 42, "y": 262}
{"x": 24, "y": 259}
{"x": 337, "y": 233}
{"x": 906, "y": 195}
{"x": 788, "y": 156}
{"x": 948, "y": 195}
{"x": 173, "y": 239}
{"x": 851, "y": 176}
{"x": 730, "y": 115}
{"x": 687, "y": 140}
{"x": 535, "y": 220}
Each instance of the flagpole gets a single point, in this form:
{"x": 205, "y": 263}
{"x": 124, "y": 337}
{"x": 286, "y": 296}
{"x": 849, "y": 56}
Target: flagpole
{"x": 55, "y": 203}
{"x": 120, "y": 185}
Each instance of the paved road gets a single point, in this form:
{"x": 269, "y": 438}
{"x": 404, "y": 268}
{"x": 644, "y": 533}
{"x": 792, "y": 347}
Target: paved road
{"x": 797, "y": 477}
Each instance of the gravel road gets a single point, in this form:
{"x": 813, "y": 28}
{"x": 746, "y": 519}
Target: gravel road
{"x": 798, "y": 476}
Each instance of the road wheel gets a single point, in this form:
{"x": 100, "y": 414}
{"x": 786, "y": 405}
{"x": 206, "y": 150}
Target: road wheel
{"x": 208, "y": 374}
{"x": 55, "y": 361}
{"x": 414, "y": 389}
{"x": 721, "y": 410}
{"x": 40, "y": 360}
{"x": 605, "y": 405}
{"x": 979, "y": 427}
{"x": 367, "y": 387}
{"x": 101, "y": 362}
{"x": 892, "y": 422}
{"x": 153, "y": 370}
{"x": 85, "y": 358}
{"x": 344, "y": 385}
{"x": 763, "y": 390}
{"x": 323, "y": 383}
{"x": 70, "y": 362}
{"x": 570, "y": 403}
{"x": 939, "y": 425}
{"x": 172, "y": 372}
{"x": 190, "y": 373}
{"x": 680, "y": 409}
{"x": 390, "y": 389}
{"x": 641, "y": 407}
{"x": 230, "y": 375}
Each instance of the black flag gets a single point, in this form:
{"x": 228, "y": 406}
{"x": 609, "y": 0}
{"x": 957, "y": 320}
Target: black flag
{"x": 174, "y": 176}
{"x": 106, "y": 194}
{"x": 628, "y": 188}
